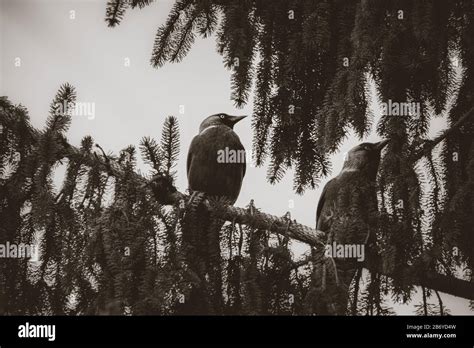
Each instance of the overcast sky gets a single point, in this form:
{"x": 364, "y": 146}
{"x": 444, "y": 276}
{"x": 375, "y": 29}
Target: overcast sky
{"x": 133, "y": 101}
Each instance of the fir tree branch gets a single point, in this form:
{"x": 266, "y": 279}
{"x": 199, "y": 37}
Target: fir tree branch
{"x": 429, "y": 145}
{"x": 305, "y": 234}
{"x": 115, "y": 11}
{"x": 168, "y": 194}
{"x": 454, "y": 127}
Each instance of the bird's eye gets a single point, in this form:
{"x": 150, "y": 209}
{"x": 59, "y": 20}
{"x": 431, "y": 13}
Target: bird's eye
{"x": 222, "y": 116}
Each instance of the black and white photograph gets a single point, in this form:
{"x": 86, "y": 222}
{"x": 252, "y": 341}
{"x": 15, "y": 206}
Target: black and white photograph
{"x": 270, "y": 160}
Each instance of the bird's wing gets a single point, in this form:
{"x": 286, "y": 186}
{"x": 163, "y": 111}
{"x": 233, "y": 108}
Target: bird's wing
{"x": 239, "y": 146}
{"x": 322, "y": 199}
{"x": 190, "y": 155}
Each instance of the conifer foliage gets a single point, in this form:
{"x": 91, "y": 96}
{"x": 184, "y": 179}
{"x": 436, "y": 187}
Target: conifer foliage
{"x": 107, "y": 243}
{"x": 115, "y": 242}
{"x": 309, "y": 62}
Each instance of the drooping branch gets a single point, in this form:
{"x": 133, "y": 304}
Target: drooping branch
{"x": 429, "y": 145}
{"x": 454, "y": 127}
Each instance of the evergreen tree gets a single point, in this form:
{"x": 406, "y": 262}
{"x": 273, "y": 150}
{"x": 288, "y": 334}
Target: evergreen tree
{"x": 114, "y": 241}
{"x": 310, "y": 62}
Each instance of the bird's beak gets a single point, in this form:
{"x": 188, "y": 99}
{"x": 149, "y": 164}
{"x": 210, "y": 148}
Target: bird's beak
{"x": 235, "y": 119}
{"x": 381, "y": 144}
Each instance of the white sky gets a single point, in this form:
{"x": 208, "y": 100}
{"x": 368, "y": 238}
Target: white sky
{"x": 132, "y": 102}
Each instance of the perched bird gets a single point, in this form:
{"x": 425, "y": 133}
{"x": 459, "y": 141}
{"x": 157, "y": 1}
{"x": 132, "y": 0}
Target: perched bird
{"x": 216, "y": 158}
{"x": 215, "y": 167}
{"x": 361, "y": 164}
{"x": 347, "y": 213}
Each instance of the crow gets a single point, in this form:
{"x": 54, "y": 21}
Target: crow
{"x": 347, "y": 213}
{"x": 361, "y": 163}
{"x": 215, "y": 162}
{"x": 216, "y": 167}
